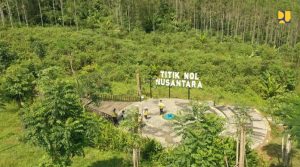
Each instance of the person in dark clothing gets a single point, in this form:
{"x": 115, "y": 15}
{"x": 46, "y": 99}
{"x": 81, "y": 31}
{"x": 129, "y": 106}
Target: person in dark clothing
{"x": 122, "y": 115}
{"x": 115, "y": 116}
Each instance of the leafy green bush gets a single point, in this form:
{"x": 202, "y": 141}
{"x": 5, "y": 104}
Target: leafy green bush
{"x": 113, "y": 138}
{"x": 56, "y": 122}
{"x": 18, "y": 83}
{"x": 151, "y": 149}
{"x": 6, "y": 56}
{"x": 202, "y": 144}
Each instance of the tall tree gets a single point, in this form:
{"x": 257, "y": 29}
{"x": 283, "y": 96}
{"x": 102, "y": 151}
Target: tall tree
{"x": 54, "y": 11}
{"x": 24, "y": 12}
{"x": 92, "y": 82}
{"x": 6, "y": 57}
{"x": 57, "y": 123}
{"x": 62, "y": 12}
{"x": 75, "y": 14}
{"x": 18, "y": 12}
{"x": 2, "y": 14}
{"x": 133, "y": 124}
{"x": 9, "y": 13}
{"x": 41, "y": 14}
{"x": 18, "y": 83}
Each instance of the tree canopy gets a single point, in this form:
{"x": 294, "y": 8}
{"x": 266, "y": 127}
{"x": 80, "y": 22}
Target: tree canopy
{"x": 254, "y": 21}
{"x": 56, "y": 122}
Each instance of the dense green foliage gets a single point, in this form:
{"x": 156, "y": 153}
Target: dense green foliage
{"x": 293, "y": 116}
{"x": 254, "y": 20}
{"x": 56, "y": 123}
{"x": 18, "y": 83}
{"x": 202, "y": 143}
{"x": 228, "y": 68}
{"x": 6, "y": 57}
{"x": 92, "y": 82}
{"x": 239, "y": 50}
{"x": 15, "y": 153}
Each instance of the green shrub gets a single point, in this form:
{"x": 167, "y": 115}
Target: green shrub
{"x": 151, "y": 149}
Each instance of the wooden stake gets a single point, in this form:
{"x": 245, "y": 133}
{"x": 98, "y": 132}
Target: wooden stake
{"x": 242, "y": 148}
{"x": 138, "y": 81}
{"x": 237, "y": 148}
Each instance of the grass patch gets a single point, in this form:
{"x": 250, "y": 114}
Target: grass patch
{"x": 15, "y": 153}
{"x": 12, "y": 151}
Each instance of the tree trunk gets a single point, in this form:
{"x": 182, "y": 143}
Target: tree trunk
{"x": 286, "y": 149}
{"x": 54, "y": 11}
{"x": 117, "y": 15}
{"x": 75, "y": 14}
{"x": 253, "y": 31}
{"x": 41, "y": 15}
{"x": 18, "y": 13}
{"x": 242, "y": 148}
{"x": 194, "y": 16}
{"x": 120, "y": 14}
{"x": 176, "y": 9}
{"x": 289, "y": 36}
{"x": 10, "y": 14}
{"x": 24, "y": 12}
{"x": 228, "y": 24}
{"x": 2, "y": 15}
{"x": 135, "y": 159}
{"x": 270, "y": 39}
{"x": 282, "y": 149}
{"x": 275, "y": 37}
{"x": 181, "y": 10}
{"x": 62, "y": 12}
{"x": 128, "y": 15}
{"x": 210, "y": 22}
{"x": 267, "y": 33}
{"x": 237, "y": 149}
{"x": 222, "y": 25}
{"x": 71, "y": 64}
{"x": 244, "y": 30}
{"x": 236, "y": 27}
{"x": 139, "y": 85}
{"x": 226, "y": 161}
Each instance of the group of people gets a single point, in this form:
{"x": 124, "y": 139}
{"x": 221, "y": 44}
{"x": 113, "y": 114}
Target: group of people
{"x": 115, "y": 118}
{"x": 161, "y": 107}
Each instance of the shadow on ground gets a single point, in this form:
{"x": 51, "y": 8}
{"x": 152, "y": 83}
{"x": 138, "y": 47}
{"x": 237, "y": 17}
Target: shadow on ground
{"x": 273, "y": 150}
{"x": 112, "y": 162}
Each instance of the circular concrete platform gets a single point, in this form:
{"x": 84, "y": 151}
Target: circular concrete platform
{"x": 162, "y": 130}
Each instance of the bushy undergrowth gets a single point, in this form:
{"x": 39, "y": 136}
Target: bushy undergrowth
{"x": 230, "y": 67}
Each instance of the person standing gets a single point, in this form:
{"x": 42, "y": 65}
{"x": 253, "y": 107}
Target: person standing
{"x": 115, "y": 116}
{"x": 122, "y": 115}
{"x": 146, "y": 112}
{"x": 161, "y": 106}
